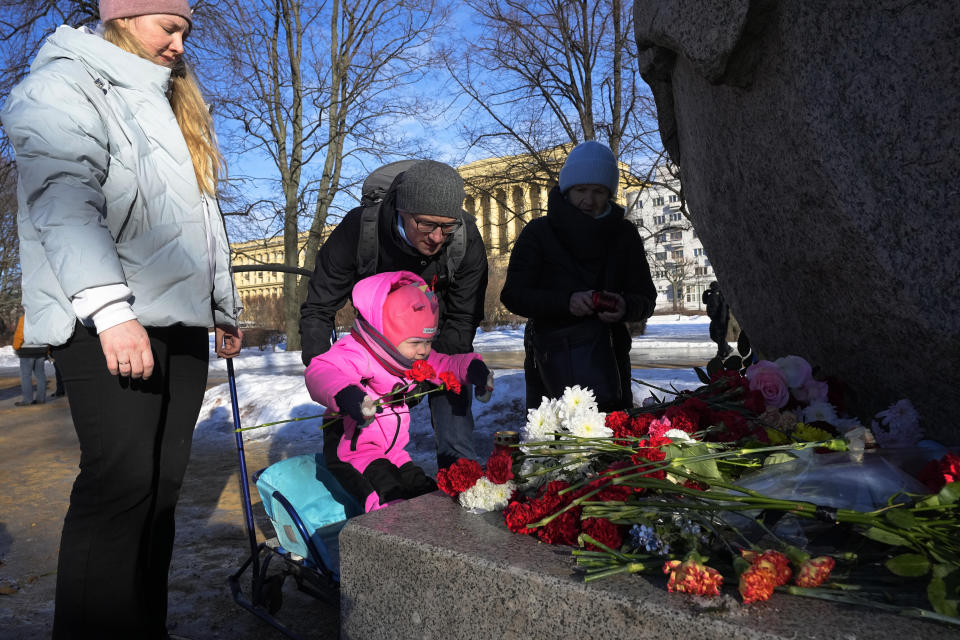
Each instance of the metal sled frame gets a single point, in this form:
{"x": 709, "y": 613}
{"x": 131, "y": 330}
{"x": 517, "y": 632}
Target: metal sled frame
{"x": 311, "y": 575}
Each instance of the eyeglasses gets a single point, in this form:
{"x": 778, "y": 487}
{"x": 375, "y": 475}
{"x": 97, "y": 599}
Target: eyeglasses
{"x": 423, "y": 226}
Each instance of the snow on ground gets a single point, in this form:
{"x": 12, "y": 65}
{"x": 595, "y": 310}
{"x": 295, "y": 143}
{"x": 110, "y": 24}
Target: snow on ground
{"x": 270, "y": 388}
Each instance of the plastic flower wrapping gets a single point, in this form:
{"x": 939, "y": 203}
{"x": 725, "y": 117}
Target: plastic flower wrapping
{"x": 755, "y": 483}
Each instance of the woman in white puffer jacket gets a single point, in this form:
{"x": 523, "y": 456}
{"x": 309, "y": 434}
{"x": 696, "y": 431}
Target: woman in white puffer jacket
{"x": 125, "y": 267}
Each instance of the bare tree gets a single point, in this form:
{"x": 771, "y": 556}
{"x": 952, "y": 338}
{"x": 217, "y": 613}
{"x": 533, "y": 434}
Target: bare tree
{"x": 9, "y": 246}
{"x": 24, "y": 24}
{"x": 544, "y": 75}
{"x": 313, "y": 88}
{"x": 678, "y": 272}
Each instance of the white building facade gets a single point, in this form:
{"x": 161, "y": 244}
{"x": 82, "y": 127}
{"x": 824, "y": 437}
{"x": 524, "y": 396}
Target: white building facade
{"x": 680, "y": 267}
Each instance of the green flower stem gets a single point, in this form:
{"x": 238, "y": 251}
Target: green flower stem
{"x": 587, "y": 538}
{"x": 382, "y": 401}
{"x": 270, "y": 424}
{"x": 913, "y": 612}
{"x": 633, "y": 567}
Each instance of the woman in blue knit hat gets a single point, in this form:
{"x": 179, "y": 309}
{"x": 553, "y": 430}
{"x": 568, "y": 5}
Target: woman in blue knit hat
{"x": 579, "y": 275}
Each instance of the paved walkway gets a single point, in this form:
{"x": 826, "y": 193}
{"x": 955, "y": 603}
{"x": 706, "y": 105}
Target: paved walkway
{"x": 38, "y": 463}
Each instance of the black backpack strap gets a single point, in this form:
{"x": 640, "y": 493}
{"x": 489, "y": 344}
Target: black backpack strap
{"x": 368, "y": 244}
{"x": 455, "y": 250}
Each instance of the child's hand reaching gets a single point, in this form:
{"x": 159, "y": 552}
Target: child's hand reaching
{"x": 356, "y": 404}
{"x": 480, "y": 376}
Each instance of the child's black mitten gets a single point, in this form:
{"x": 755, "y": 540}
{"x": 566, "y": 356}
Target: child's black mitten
{"x": 355, "y": 403}
{"x": 480, "y": 376}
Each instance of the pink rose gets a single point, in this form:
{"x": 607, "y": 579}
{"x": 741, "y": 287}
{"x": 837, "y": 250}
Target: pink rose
{"x": 768, "y": 379}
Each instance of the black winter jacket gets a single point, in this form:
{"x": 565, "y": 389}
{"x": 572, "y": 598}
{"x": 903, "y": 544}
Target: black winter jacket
{"x": 568, "y": 251}
{"x": 335, "y": 273}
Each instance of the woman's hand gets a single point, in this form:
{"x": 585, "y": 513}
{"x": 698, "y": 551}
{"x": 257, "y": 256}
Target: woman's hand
{"x": 227, "y": 340}
{"x": 616, "y": 314}
{"x": 581, "y": 303}
{"x": 126, "y": 347}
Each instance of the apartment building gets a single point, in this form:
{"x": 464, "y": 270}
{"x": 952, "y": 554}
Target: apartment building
{"x": 679, "y": 265}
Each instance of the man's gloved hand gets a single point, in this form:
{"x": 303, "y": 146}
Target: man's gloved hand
{"x": 480, "y": 376}
{"x": 355, "y": 403}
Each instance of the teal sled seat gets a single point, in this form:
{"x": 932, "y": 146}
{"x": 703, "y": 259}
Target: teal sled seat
{"x": 307, "y": 507}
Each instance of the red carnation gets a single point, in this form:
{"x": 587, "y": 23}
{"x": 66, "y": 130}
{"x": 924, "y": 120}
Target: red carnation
{"x": 695, "y": 407}
{"x": 603, "y": 531}
{"x": 692, "y": 576}
{"x": 639, "y": 424}
{"x": 680, "y": 419}
{"x": 459, "y": 476}
{"x": 618, "y": 422}
{"x": 815, "y": 571}
{"x": 734, "y": 426}
{"x": 553, "y": 488}
{"x": 649, "y": 451}
{"x": 563, "y": 529}
{"x": 754, "y": 402}
{"x": 732, "y": 379}
{"x": 757, "y": 584}
{"x": 450, "y": 381}
{"x": 420, "y": 371}
{"x": 517, "y": 515}
{"x": 938, "y": 473}
{"x": 774, "y": 561}
{"x": 500, "y": 467}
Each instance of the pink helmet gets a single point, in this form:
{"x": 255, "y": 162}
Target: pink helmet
{"x": 410, "y": 311}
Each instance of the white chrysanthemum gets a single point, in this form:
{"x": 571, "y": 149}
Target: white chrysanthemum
{"x": 541, "y": 423}
{"x": 898, "y": 426}
{"x": 486, "y": 496}
{"x": 822, "y": 411}
{"x": 589, "y": 424}
{"x": 678, "y": 435}
{"x": 575, "y": 400}
{"x": 901, "y": 414}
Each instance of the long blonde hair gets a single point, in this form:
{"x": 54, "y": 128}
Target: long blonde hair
{"x": 188, "y": 108}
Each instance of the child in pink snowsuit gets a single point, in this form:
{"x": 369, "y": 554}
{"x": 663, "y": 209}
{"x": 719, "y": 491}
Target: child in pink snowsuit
{"x": 364, "y": 450}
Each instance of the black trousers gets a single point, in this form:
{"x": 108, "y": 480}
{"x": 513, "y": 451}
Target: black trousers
{"x": 135, "y": 440}
{"x": 381, "y": 476}
{"x": 536, "y": 390}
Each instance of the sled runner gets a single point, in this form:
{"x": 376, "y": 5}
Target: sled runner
{"x": 307, "y": 508}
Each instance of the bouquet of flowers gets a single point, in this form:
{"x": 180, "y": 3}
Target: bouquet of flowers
{"x": 477, "y": 489}
{"x": 742, "y": 481}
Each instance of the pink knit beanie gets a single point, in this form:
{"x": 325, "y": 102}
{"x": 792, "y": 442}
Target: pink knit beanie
{"x": 111, "y": 9}
{"x": 410, "y": 312}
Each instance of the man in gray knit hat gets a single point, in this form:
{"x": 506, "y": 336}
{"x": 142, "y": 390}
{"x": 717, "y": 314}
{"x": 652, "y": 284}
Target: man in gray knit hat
{"x": 419, "y": 226}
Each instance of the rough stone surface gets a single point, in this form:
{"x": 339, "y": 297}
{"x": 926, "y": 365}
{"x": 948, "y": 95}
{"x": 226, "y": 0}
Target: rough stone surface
{"x": 429, "y": 569}
{"x": 817, "y": 142}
